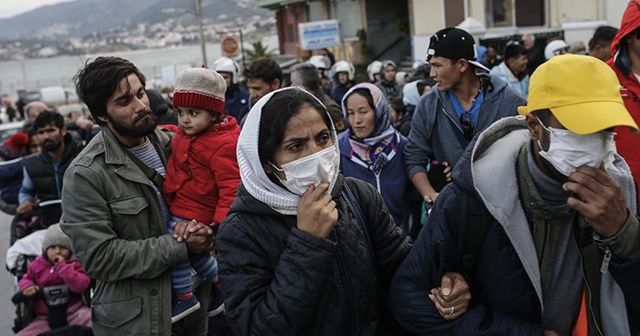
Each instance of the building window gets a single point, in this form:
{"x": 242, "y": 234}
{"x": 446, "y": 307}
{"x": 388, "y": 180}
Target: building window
{"x": 290, "y": 34}
{"x": 509, "y": 13}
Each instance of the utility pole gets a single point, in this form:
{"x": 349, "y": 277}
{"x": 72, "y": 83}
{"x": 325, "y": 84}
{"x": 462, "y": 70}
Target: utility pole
{"x": 199, "y": 18}
{"x": 334, "y": 12}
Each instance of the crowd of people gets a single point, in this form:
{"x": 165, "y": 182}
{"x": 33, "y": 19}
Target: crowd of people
{"x": 479, "y": 195}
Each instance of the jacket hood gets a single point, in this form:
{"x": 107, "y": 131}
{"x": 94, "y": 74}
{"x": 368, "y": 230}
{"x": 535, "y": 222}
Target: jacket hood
{"x": 630, "y": 22}
{"x": 462, "y": 173}
{"x": 410, "y": 94}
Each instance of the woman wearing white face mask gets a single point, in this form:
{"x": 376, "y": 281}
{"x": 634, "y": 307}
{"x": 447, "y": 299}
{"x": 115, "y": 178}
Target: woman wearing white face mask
{"x": 294, "y": 260}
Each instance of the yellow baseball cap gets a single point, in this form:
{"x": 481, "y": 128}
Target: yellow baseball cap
{"x": 582, "y": 92}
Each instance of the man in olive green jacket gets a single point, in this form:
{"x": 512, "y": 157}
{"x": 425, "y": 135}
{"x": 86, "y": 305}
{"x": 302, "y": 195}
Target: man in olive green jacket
{"x": 115, "y": 215}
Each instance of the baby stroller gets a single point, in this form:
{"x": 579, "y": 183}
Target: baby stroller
{"x": 19, "y": 256}
{"x": 44, "y": 214}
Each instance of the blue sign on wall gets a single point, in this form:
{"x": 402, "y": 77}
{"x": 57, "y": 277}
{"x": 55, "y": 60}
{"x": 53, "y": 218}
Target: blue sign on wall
{"x": 319, "y": 34}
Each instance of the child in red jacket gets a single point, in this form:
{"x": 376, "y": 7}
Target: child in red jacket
{"x": 202, "y": 175}
{"x": 55, "y": 267}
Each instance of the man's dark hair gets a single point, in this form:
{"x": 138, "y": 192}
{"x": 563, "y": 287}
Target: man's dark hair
{"x": 603, "y": 35}
{"x": 264, "y": 68}
{"x": 157, "y": 104}
{"x": 98, "y": 80}
{"x": 421, "y": 86}
{"x": 308, "y": 75}
{"x": 513, "y": 49}
{"x": 398, "y": 106}
{"x": 48, "y": 118}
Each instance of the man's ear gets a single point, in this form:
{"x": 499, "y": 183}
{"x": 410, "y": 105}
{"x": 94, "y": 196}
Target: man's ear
{"x": 534, "y": 127}
{"x": 103, "y": 119}
{"x": 276, "y": 84}
{"x": 463, "y": 64}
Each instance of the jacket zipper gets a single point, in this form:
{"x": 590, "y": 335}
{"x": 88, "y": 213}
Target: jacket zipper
{"x": 58, "y": 189}
{"x": 586, "y": 282}
{"x": 605, "y": 261}
{"x": 448, "y": 116}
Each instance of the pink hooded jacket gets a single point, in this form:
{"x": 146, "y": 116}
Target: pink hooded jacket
{"x": 41, "y": 273}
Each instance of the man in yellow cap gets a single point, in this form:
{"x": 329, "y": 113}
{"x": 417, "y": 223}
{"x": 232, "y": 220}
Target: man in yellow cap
{"x": 541, "y": 219}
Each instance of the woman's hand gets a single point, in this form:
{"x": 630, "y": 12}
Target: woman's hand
{"x": 317, "y": 212}
{"x": 30, "y": 291}
{"x": 453, "y": 297}
{"x": 447, "y": 171}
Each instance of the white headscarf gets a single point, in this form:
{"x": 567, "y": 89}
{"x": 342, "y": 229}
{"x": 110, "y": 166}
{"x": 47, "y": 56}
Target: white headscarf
{"x": 252, "y": 172}
{"x": 410, "y": 94}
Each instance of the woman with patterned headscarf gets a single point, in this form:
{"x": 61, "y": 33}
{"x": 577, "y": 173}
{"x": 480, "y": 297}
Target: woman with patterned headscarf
{"x": 372, "y": 149}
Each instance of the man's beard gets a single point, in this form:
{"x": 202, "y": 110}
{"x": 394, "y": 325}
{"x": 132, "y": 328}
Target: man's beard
{"x": 50, "y": 145}
{"x": 131, "y": 131}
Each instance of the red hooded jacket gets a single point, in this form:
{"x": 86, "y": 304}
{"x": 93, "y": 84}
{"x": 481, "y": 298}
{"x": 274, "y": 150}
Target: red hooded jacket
{"x": 628, "y": 143}
{"x": 202, "y": 173}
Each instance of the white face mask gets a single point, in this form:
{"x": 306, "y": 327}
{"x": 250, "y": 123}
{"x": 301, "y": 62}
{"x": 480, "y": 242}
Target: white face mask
{"x": 313, "y": 169}
{"x": 568, "y": 151}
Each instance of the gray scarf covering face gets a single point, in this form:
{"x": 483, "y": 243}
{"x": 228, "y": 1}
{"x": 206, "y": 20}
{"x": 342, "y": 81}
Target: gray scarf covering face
{"x": 252, "y": 173}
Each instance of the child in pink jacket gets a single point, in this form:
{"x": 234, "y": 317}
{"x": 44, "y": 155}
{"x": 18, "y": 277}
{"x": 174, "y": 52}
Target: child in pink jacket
{"x": 56, "y": 266}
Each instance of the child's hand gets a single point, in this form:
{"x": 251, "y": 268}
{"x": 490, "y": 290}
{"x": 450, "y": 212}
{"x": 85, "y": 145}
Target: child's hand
{"x": 30, "y": 291}
{"x": 58, "y": 259}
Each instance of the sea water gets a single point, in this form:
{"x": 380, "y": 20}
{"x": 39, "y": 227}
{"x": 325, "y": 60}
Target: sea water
{"x": 33, "y": 74}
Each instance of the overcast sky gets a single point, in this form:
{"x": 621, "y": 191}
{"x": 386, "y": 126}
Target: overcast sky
{"x": 9, "y": 8}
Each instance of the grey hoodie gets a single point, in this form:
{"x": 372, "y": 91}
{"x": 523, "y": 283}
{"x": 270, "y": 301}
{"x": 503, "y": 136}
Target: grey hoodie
{"x": 436, "y": 131}
{"x": 497, "y": 186}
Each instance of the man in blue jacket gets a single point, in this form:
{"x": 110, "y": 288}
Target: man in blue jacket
{"x": 560, "y": 251}
{"x": 464, "y": 101}
{"x": 43, "y": 172}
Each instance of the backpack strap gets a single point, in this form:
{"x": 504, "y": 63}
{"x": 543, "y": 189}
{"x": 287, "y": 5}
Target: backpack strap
{"x": 474, "y": 224}
{"x": 150, "y": 173}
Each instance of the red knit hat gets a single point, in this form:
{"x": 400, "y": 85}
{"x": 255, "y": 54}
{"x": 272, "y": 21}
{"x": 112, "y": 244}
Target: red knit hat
{"x": 12, "y": 148}
{"x": 18, "y": 141}
{"x": 200, "y": 88}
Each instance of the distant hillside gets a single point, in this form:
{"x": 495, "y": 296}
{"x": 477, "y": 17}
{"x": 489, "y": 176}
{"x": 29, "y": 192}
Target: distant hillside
{"x": 84, "y": 17}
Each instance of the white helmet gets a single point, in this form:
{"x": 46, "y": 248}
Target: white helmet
{"x": 554, "y": 48}
{"x": 417, "y": 63}
{"x": 344, "y": 66}
{"x": 374, "y": 68}
{"x": 225, "y": 64}
{"x": 320, "y": 62}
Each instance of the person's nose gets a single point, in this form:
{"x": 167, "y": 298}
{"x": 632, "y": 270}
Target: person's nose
{"x": 314, "y": 148}
{"x": 141, "y": 105}
{"x": 253, "y": 93}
